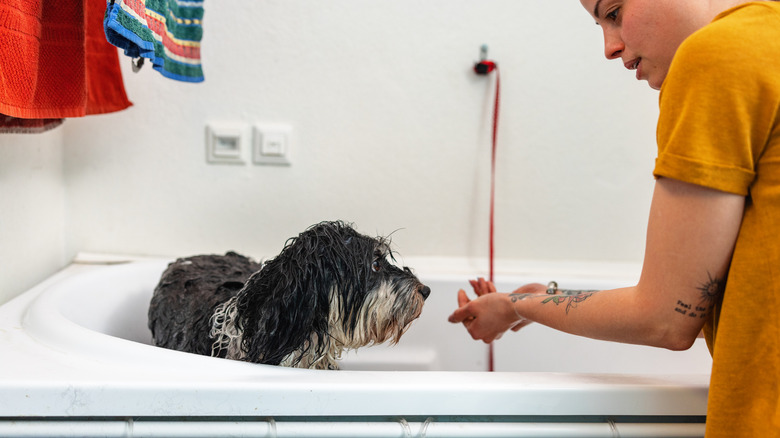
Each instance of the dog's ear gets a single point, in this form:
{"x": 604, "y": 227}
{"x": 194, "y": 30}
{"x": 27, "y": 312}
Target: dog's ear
{"x": 286, "y": 303}
{"x": 276, "y": 315}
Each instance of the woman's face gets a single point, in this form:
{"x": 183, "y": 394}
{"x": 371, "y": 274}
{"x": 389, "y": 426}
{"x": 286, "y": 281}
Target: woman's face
{"x": 645, "y": 34}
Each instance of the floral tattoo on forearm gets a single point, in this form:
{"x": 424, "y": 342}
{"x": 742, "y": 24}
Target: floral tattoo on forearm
{"x": 572, "y": 298}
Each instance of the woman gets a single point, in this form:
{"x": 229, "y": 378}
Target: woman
{"x": 712, "y": 258}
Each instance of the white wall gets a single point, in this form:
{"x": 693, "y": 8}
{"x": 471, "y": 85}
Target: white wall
{"x": 392, "y": 132}
{"x": 32, "y": 210}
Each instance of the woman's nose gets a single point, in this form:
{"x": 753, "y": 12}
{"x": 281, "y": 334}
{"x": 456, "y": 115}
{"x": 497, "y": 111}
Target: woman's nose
{"x": 613, "y": 44}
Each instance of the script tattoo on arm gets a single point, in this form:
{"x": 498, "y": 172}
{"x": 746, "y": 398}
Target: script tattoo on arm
{"x": 710, "y": 292}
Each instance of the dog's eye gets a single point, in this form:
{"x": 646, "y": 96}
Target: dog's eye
{"x": 376, "y": 266}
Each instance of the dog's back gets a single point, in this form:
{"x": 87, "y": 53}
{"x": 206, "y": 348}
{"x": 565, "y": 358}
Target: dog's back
{"x": 185, "y": 298}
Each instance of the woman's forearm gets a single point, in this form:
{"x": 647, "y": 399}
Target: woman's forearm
{"x": 619, "y": 315}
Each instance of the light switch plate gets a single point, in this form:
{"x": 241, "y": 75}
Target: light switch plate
{"x": 272, "y": 144}
{"x": 226, "y": 142}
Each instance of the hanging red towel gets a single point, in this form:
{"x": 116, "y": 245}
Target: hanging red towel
{"x": 55, "y": 61}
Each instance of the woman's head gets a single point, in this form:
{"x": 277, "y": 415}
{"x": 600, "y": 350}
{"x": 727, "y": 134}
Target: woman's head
{"x": 645, "y": 34}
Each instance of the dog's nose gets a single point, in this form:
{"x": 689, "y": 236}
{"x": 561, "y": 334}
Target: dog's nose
{"x": 425, "y": 291}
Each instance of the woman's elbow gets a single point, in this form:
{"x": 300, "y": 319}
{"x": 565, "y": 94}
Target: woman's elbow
{"x": 676, "y": 340}
{"x": 680, "y": 344}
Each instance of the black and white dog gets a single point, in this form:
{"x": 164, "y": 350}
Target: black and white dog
{"x": 329, "y": 290}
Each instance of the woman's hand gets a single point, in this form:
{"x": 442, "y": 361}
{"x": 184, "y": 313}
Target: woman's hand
{"x": 482, "y": 286}
{"x": 491, "y": 314}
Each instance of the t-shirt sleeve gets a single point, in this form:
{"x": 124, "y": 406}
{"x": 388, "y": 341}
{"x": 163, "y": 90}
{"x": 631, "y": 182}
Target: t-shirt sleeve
{"x": 712, "y": 124}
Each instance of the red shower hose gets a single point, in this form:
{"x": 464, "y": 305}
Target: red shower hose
{"x": 485, "y": 67}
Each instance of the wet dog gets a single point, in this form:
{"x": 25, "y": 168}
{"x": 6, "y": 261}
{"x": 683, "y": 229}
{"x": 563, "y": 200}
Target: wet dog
{"x": 329, "y": 290}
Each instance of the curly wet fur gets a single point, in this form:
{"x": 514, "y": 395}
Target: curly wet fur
{"x": 330, "y": 289}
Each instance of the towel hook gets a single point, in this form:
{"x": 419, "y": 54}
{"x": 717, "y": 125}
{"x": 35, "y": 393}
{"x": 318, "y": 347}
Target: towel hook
{"x": 137, "y": 63}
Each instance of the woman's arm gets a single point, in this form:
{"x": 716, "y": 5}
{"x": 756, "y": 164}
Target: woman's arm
{"x": 690, "y": 239}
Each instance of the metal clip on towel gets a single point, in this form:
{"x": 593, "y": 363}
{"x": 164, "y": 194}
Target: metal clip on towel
{"x": 137, "y": 63}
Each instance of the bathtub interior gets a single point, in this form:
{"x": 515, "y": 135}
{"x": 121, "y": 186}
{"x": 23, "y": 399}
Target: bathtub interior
{"x": 113, "y": 302}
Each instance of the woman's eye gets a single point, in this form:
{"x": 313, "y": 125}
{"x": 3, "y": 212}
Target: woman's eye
{"x": 376, "y": 266}
{"x": 613, "y": 14}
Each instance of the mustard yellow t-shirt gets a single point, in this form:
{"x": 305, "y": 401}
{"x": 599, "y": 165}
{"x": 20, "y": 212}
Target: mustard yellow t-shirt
{"x": 719, "y": 127}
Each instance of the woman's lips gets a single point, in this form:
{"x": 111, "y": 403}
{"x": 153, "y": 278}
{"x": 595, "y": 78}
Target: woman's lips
{"x": 635, "y": 64}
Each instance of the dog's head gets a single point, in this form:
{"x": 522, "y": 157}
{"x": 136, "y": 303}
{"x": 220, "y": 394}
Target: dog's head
{"x": 329, "y": 286}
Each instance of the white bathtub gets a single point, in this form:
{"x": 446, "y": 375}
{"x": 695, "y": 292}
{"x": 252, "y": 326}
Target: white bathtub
{"x": 76, "y": 361}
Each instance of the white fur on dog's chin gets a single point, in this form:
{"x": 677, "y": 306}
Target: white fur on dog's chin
{"x": 384, "y": 319}
{"x": 379, "y": 319}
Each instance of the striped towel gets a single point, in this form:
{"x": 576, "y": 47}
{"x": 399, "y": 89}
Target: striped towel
{"x": 167, "y": 32}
